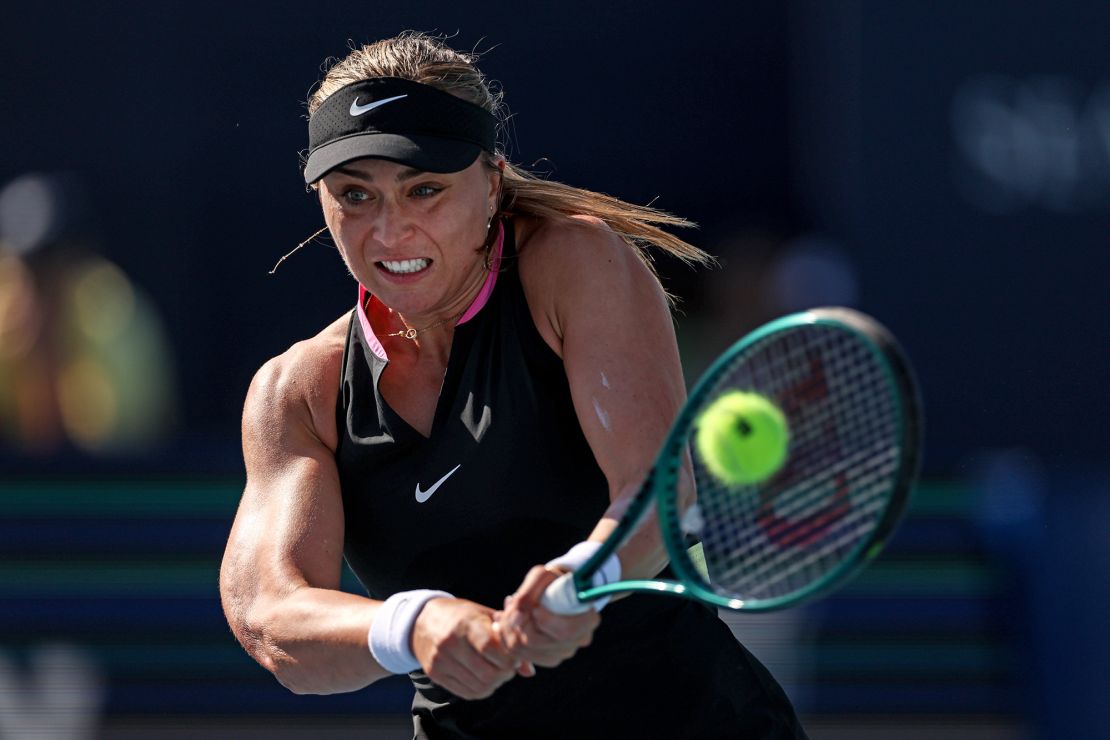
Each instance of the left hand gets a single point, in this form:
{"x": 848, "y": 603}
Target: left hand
{"x": 459, "y": 649}
{"x": 535, "y": 635}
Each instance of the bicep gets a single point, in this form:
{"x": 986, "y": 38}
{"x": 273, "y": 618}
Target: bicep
{"x": 290, "y": 524}
{"x": 288, "y": 530}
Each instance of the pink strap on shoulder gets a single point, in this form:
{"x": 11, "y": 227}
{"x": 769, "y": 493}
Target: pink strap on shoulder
{"x": 491, "y": 278}
{"x": 476, "y": 305}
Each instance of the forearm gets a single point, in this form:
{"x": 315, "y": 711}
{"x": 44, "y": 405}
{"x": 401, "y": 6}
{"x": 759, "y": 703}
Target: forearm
{"x": 643, "y": 555}
{"x": 313, "y": 640}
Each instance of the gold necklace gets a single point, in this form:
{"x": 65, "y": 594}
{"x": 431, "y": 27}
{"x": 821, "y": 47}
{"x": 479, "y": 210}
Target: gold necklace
{"x": 409, "y": 333}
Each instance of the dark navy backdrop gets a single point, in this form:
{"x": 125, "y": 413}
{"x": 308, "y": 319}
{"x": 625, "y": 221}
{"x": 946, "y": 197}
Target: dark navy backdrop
{"x": 956, "y": 156}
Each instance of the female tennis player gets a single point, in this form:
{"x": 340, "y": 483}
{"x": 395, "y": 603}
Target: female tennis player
{"x": 468, "y": 433}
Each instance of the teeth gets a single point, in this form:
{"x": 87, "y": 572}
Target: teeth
{"x": 403, "y": 266}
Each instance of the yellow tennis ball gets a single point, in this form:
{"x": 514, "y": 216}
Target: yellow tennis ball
{"x": 742, "y": 438}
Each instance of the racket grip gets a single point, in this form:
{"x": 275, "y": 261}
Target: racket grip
{"x": 561, "y": 597}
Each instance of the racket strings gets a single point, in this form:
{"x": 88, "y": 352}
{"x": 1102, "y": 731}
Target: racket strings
{"x": 794, "y": 502}
{"x": 766, "y": 572}
{"x": 770, "y": 539}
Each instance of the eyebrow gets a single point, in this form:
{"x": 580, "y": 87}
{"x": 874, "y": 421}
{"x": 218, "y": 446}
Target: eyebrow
{"x": 407, "y": 173}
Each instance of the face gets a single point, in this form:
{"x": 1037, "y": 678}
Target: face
{"x": 412, "y": 238}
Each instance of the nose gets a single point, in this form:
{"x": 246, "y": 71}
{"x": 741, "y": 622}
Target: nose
{"x": 392, "y": 225}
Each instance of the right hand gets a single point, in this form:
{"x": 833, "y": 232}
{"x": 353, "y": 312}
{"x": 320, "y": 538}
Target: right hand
{"x": 458, "y": 647}
{"x": 538, "y": 635}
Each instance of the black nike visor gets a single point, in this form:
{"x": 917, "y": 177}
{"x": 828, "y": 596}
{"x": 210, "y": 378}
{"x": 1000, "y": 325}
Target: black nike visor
{"x": 399, "y": 120}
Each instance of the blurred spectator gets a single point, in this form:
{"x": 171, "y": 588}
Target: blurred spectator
{"x": 764, "y": 274}
{"x": 58, "y": 695}
{"x": 83, "y": 356}
{"x": 731, "y": 299}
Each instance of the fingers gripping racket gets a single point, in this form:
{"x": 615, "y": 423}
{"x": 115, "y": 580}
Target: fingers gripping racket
{"x": 849, "y": 400}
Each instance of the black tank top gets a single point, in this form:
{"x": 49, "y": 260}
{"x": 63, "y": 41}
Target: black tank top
{"x": 517, "y": 482}
{"x": 507, "y": 480}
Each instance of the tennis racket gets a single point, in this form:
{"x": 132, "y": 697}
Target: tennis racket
{"x": 853, "y": 411}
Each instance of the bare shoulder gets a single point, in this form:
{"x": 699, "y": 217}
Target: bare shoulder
{"x": 575, "y": 242}
{"x": 297, "y": 390}
{"x": 580, "y": 265}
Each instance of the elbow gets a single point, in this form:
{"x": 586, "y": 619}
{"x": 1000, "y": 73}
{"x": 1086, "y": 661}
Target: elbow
{"x": 300, "y": 673}
{"x": 251, "y": 622}
{"x": 255, "y": 638}
{"x": 255, "y": 635}
{"x": 252, "y": 629}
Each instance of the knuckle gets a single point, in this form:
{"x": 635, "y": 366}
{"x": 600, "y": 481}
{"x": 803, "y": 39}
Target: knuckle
{"x": 485, "y": 674}
{"x": 487, "y": 644}
{"x": 436, "y": 661}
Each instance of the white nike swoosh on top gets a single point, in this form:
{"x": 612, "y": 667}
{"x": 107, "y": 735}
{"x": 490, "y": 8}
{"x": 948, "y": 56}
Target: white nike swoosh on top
{"x": 422, "y": 496}
{"x": 358, "y": 110}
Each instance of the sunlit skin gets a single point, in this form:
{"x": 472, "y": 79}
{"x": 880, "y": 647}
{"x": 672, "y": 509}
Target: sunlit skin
{"x": 594, "y": 303}
{"x": 379, "y": 210}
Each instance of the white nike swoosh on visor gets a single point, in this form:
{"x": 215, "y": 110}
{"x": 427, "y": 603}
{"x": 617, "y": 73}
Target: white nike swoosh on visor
{"x": 422, "y": 496}
{"x": 358, "y": 110}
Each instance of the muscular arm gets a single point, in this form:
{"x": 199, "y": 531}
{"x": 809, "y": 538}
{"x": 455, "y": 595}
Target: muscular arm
{"x": 604, "y": 312}
{"x": 281, "y": 569}
{"x": 600, "y": 308}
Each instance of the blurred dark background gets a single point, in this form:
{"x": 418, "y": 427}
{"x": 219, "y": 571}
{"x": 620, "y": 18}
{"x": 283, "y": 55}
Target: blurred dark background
{"x": 942, "y": 166}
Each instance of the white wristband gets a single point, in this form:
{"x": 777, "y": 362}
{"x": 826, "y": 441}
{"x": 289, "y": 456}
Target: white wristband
{"x": 391, "y": 633}
{"x": 576, "y": 557}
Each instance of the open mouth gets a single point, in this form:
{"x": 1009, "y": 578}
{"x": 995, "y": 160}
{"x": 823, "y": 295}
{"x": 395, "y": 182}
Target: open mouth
{"x": 404, "y": 267}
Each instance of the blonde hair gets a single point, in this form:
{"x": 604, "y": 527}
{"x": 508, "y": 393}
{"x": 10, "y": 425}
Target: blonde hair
{"x": 426, "y": 59}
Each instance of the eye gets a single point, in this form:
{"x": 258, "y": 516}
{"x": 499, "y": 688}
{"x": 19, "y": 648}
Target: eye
{"x": 354, "y": 195}
{"x": 425, "y": 191}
